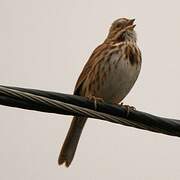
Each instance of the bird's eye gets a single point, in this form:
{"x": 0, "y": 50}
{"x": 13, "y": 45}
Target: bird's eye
{"x": 118, "y": 25}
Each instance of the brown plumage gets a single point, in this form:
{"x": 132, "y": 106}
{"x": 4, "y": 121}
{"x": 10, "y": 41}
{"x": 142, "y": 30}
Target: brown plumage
{"x": 110, "y": 73}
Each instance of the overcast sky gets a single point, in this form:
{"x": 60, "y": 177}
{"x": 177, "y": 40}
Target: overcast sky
{"x": 44, "y": 45}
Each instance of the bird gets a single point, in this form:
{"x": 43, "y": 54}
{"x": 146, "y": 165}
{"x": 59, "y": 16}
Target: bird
{"x": 109, "y": 74}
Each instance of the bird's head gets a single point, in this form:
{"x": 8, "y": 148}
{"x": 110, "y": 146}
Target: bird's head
{"x": 122, "y": 30}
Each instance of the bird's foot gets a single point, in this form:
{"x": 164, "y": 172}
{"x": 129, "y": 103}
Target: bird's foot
{"x": 95, "y": 100}
{"x": 127, "y": 108}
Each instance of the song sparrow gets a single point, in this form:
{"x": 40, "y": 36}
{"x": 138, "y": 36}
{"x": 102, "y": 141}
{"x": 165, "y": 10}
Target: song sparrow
{"x": 110, "y": 73}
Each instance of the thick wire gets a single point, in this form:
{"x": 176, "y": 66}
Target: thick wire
{"x": 19, "y": 98}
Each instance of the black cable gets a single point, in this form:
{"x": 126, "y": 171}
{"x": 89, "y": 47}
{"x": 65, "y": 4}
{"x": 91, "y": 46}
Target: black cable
{"x": 59, "y": 103}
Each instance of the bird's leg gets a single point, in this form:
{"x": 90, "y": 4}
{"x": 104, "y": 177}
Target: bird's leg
{"x": 95, "y": 99}
{"x": 127, "y": 108}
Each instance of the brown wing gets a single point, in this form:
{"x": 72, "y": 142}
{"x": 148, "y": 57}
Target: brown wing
{"x": 88, "y": 66}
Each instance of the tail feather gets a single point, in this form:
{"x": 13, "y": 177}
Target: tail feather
{"x": 70, "y": 144}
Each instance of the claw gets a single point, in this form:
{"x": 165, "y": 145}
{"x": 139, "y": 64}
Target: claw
{"x": 127, "y": 108}
{"x": 95, "y": 99}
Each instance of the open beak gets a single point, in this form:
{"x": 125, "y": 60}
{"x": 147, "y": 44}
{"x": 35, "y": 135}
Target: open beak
{"x": 130, "y": 24}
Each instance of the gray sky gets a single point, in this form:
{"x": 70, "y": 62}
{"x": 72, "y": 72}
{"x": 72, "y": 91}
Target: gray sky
{"x": 44, "y": 45}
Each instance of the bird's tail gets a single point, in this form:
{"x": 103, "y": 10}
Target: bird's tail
{"x": 71, "y": 141}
